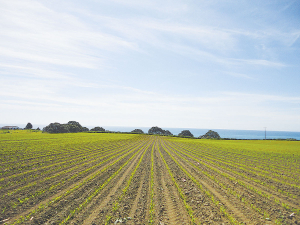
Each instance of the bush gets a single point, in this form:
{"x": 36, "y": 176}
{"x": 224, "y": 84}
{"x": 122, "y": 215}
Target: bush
{"x": 137, "y": 131}
{"x": 185, "y": 133}
{"x": 98, "y": 129}
{"x": 28, "y": 126}
{"x": 159, "y": 131}
{"x": 70, "y": 127}
{"x": 210, "y": 135}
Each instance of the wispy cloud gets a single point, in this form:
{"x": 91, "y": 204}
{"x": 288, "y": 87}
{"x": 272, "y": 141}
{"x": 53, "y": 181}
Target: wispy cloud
{"x": 193, "y": 40}
{"x": 38, "y": 34}
{"x": 240, "y": 75}
{"x": 115, "y": 64}
{"x": 288, "y": 5}
{"x": 258, "y": 62}
{"x": 167, "y": 6}
{"x": 32, "y": 71}
{"x": 64, "y": 39}
{"x": 225, "y": 108}
{"x": 264, "y": 97}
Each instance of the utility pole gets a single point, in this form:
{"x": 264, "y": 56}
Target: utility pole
{"x": 265, "y": 133}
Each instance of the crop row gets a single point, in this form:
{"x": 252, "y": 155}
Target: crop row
{"x": 72, "y": 174}
{"x": 257, "y": 161}
{"x": 32, "y": 152}
{"x": 183, "y": 197}
{"x": 146, "y": 179}
{"x": 41, "y": 171}
{"x": 242, "y": 197}
{"x": 116, "y": 158}
{"x": 116, "y": 204}
{"x": 222, "y": 185}
{"x": 231, "y": 170}
{"x": 226, "y": 166}
{"x": 96, "y": 191}
{"x": 211, "y": 196}
{"x": 58, "y": 198}
{"x": 259, "y": 168}
{"x": 48, "y": 160}
{"x": 44, "y": 190}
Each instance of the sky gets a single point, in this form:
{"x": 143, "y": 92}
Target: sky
{"x": 191, "y": 64}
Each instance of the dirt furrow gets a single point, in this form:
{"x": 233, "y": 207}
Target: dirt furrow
{"x": 205, "y": 208}
{"x": 282, "y": 198}
{"x": 171, "y": 209}
{"x": 44, "y": 184}
{"x": 134, "y": 206}
{"x": 66, "y": 192}
{"x": 140, "y": 207}
{"x": 213, "y": 189}
{"x": 174, "y": 209}
{"x": 178, "y": 189}
{"x": 102, "y": 201}
{"x": 274, "y": 211}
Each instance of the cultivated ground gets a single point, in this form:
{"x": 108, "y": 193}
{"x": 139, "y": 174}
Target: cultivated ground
{"x": 144, "y": 179}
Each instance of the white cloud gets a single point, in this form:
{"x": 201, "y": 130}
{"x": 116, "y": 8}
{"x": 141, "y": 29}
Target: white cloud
{"x": 136, "y": 107}
{"x": 67, "y": 61}
{"x": 38, "y": 34}
{"x": 250, "y": 97}
{"x": 167, "y": 6}
{"x": 258, "y": 62}
{"x": 33, "y": 71}
{"x": 240, "y": 75}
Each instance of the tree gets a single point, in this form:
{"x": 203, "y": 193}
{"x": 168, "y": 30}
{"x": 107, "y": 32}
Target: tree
{"x": 74, "y": 127}
{"x": 156, "y": 130}
{"x": 138, "y": 131}
{"x": 38, "y": 128}
{"x": 185, "y": 133}
{"x": 70, "y": 127}
{"x": 56, "y": 128}
{"x": 85, "y": 129}
{"x": 28, "y": 126}
{"x": 168, "y": 133}
{"x": 98, "y": 129}
{"x": 210, "y": 135}
{"x": 159, "y": 131}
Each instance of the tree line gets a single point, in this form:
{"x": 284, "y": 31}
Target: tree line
{"x": 74, "y": 127}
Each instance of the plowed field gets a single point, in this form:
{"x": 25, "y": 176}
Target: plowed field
{"x": 145, "y": 179}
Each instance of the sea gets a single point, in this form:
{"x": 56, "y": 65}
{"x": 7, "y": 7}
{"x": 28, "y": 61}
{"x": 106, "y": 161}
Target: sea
{"x": 224, "y": 133}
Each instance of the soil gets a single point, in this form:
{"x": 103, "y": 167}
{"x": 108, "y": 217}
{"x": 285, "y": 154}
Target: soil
{"x": 191, "y": 186}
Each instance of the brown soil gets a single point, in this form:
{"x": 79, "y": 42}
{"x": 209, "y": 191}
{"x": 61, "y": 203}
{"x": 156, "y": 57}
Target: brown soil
{"x": 198, "y": 189}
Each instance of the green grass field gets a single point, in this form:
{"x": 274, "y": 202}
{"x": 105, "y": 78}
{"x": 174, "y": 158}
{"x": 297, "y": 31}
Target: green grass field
{"x": 106, "y": 178}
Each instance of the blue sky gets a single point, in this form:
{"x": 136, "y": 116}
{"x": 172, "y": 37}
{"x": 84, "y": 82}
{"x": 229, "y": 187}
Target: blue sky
{"x": 191, "y": 64}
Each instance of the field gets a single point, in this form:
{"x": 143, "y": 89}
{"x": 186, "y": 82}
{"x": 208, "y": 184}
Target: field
{"x": 102, "y": 178}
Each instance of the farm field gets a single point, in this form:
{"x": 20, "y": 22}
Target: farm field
{"x": 103, "y": 178}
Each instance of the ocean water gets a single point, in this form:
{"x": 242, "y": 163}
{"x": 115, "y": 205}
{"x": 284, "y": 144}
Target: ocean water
{"x": 237, "y": 134}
